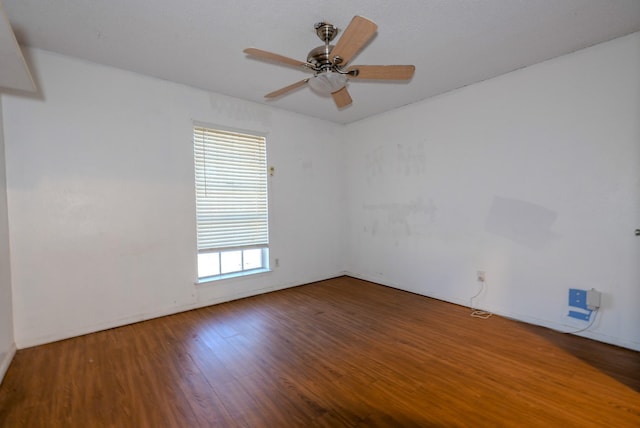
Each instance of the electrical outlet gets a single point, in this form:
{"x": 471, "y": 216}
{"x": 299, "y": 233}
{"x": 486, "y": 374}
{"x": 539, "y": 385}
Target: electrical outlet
{"x": 277, "y": 262}
{"x": 481, "y": 276}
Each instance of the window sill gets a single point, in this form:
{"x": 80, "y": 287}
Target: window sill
{"x": 243, "y": 274}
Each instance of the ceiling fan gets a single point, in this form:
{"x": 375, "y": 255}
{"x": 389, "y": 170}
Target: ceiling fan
{"x": 328, "y": 63}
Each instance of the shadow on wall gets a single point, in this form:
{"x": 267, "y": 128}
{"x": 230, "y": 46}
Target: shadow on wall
{"x": 521, "y": 222}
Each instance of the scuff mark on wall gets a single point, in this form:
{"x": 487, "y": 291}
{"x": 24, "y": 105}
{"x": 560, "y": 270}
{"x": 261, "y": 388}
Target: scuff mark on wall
{"x": 400, "y": 219}
{"x": 411, "y": 159}
{"x": 374, "y": 164}
{"x": 307, "y": 167}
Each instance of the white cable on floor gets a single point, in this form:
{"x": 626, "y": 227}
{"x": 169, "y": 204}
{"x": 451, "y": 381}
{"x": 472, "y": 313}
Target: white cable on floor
{"x": 478, "y": 313}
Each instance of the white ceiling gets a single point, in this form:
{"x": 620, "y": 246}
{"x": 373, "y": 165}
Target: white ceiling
{"x": 452, "y": 43}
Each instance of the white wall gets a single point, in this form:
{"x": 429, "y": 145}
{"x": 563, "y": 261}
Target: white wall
{"x": 533, "y": 176}
{"x": 101, "y": 198}
{"x": 7, "y": 345}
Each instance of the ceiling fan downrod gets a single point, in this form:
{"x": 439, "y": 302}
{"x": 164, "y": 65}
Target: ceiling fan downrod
{"x": 319, "y": 57}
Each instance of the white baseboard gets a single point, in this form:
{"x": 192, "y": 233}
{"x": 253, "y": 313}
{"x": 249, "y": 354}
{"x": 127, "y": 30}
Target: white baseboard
{"x": 6, "y": 359}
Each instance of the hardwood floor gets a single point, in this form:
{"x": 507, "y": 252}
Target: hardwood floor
{"x": 341, "y": 352}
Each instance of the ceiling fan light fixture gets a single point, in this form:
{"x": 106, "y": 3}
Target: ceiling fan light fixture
{"x": 328, "y": 82}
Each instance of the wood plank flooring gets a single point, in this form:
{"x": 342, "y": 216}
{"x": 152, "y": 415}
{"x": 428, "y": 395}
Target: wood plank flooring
{"x": 336, "y": 353}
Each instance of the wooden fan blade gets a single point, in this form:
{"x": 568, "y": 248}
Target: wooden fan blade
{"x": 286, "y": 89}
{"x": 342, "y": 98}
{"x": 359, "y": 31}
{"x": 383, "y": 72}
{"x": 270, "y": 56}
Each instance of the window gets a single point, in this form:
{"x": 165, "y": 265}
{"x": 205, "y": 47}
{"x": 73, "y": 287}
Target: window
{"x": 231, "y": 203}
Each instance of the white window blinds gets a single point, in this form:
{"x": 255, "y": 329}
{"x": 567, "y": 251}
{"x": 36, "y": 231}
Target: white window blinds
{"x": 231, "y": 189}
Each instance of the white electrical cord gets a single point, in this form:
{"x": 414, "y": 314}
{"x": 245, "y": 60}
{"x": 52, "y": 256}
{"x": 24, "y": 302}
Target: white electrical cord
{"x": 593, "y": 320}
{"x": 478, "y": 313}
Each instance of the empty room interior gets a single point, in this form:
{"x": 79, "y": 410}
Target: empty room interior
{"x": 448, "y": 233}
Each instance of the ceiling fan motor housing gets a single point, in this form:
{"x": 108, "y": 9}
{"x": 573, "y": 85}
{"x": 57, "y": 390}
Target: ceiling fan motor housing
{"x": 319, "y": 57}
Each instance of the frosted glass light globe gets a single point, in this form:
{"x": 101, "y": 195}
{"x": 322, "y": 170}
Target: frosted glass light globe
{"x": 328, "y": 82}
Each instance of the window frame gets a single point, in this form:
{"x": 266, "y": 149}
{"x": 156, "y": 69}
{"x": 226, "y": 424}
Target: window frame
{"x": 264, "y": 247}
